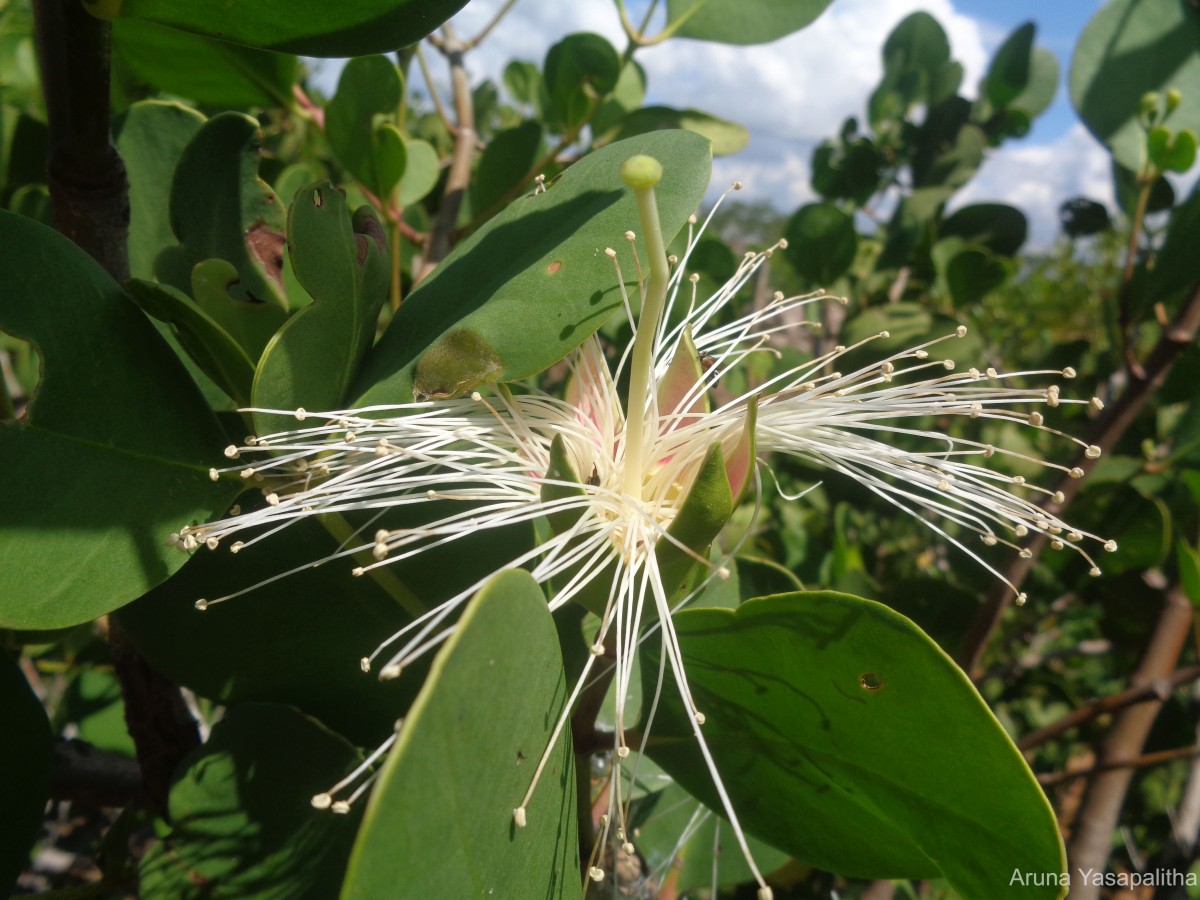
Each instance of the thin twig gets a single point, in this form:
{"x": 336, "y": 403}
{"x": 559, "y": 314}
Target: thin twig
{"x": 459, "y": 177}
{"x": 1159, "y": 689}
{"x": 487, "y": 29}
{"x": 433, "y": 93}
{"x": 1142, "y": 762}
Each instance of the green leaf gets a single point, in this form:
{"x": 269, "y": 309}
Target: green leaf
{"x": 369, "y": 87}
{"x": 1041, "y": 86}
{"x": 532, "y": 283}
{"x": 507, "y": 159}
{"x": 1129, "y": 48}
{"x": 840, "y": 708}
{"x": 460, "y": 767}
{"x": 421, "y": 172}
{"x": 114, "y": 452}
{"x": 306, "y": 27}
{"x": 221, "y": 210}
{"x": 1081, "y": 217}
{"x": 742, "y": 21}
{"x": 152, "y": 138}
{"x": 849, "y": 169}
{"x": 217, "y": 354}
{"x": 93, "y": 703}
{"x": 1008, "y": 75}
{"x": 25, "y": 755}
{"x": 579, "y": 66}
{"x": 822, "y": 242}
{"x": 997, "y": 226}
{"x": 148, "y": 58}
{"x": 524, "y": 81}
{"x": 726, "y": 137}
{"x": 918, "y": 41}
{"x": 343, "y": 264}
{"x": 1189, "y": 571}
{"x": 628, "y": 95}
{"x": 967, "y": 273}
{"x": 242, "y": 821}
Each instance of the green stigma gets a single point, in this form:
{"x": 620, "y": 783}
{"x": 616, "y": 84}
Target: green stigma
{"x": 641, "y": 172}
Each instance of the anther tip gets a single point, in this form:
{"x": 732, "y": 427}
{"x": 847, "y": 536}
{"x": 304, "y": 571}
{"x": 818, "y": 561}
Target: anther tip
{"x": 201, "y": 605}
{"x": 322, "y": 801}
{"x": 519, "y": 818}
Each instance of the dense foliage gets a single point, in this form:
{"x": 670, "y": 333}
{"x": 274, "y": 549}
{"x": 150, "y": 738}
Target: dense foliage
{"x": 221, "y": 287}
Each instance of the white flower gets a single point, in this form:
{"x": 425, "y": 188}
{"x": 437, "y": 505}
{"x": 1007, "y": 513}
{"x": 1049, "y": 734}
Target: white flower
{"x": 613, "y": 479}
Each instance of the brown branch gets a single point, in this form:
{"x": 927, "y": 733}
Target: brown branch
{"x": 88, "y": 188}
{"x": 158, "y": 720}
{"x": 1145, "y": 761}
{"x": 85, "y": 774}
{"x": 1107, "y": 431}
{"x": 1100, "y": 810}
{"x": 1159, "y": 689}
{"x": 459, "y": 177}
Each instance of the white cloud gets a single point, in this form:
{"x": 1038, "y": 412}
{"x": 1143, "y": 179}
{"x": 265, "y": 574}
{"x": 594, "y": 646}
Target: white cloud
{"x": 1037, "y": 178}
{"x": 795, "y": 92}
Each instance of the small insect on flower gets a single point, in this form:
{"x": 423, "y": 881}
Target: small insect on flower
{"x": 635, "y": 493}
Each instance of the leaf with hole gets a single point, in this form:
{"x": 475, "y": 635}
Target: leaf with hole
{"x": 100, "y": 486}
{"x": 847, "y": 737}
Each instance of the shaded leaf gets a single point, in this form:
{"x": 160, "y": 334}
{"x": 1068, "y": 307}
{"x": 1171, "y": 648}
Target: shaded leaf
{"x": 221, "y": 210}
{"x": 997, "y": 226}
{"x": 508, "y": 157}
{"x": 307, "y": 27}
{"x": 150, "y": 58}
{"x": 579, "y": 67}
{"x": 151, "y": 140}
{"x": 242, "y": 822}
{"x": 25, "y": 755}
{"x": 822, "y": 242}
{"x": 1008, "y": 74}
{"x": 369, "y": 87}
{"x": 1131, "y": 47}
